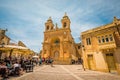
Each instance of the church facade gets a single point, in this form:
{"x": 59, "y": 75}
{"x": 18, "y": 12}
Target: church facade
{"x": 58, "y": 42}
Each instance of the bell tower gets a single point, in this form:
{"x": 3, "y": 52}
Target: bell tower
{"x": 65, "y": 21}
{"x": 49, "y": 25}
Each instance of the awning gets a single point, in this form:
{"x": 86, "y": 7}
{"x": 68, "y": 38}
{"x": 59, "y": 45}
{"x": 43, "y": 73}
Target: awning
{"x": 35, "y": 56}
{"x": 12, "y": 47}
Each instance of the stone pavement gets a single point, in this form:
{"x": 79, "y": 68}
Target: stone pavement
{"x": 65, "y": 72}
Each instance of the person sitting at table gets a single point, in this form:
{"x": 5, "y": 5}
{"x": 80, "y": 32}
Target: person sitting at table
{"x": 9, "y": 65}
{"x": 3, "y": 70}
{"x": 16, "y": 67}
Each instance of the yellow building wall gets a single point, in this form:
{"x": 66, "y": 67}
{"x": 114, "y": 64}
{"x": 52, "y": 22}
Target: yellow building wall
{"x": 100, "y": 62}
{"x": 100, "y": 50}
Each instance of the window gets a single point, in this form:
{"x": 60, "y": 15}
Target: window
{"x": 99, "y": 40}
{"x": 111, "y": 38}
{"x": 64, "y": 24}
{"x": 47, "y": 27}
{"x": 88, "y": 41}
{"x": 103, "y": 40}
{"x": 78, "y": 47}
{"x": 106, "y": 38}
{"x": 56, "y": 42}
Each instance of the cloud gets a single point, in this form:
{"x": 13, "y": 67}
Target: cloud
{"x": 25, "y": 19}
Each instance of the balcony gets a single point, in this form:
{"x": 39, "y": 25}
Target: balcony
{"x": 107, "y": 45}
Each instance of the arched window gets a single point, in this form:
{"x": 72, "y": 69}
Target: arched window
{"x": 111, "y": 37}
{"x": 65, "y": 24}
{"x": 99, "y": 40}
{"x": 103, "y": 39}
{"x": 57, "y": 42}
{"x": 47, "y": 27}
{"x": 106, "y": 38}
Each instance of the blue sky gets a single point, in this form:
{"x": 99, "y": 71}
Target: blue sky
{"x": 25, "y": 19}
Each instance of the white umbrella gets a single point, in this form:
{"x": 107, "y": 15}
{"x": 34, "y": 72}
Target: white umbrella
{"x": 35, "y": 56}
{"x": 13, "y": 47}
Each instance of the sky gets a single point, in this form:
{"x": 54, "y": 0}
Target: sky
{"x": 25, "y": 19}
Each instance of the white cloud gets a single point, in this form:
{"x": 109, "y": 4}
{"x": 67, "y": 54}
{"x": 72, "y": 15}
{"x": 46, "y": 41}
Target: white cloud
{"x": 28, "y": 17}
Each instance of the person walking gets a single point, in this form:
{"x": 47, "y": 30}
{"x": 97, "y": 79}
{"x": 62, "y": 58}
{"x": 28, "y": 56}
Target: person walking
{"x": 51, "y": 61}
{"x": 40, "y": 61}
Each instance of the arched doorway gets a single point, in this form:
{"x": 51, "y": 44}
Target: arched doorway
{"x": 56, "y": 55}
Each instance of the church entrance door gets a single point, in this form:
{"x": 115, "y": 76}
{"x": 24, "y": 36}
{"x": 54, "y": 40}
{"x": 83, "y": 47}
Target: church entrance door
{"x": 56, "y": 55}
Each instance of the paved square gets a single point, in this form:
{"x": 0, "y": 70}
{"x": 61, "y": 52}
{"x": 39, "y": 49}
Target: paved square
{"x": 66, "y": 72}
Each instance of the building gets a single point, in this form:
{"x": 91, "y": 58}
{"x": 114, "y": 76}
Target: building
{"x": 20, "y": 43}
{"x": 3, "y": 38}
{"x": 8, "y": 49}
{"x": 101, "y": 47}
{"x": 58, "y": 42}
{"x": 78, "y": 47}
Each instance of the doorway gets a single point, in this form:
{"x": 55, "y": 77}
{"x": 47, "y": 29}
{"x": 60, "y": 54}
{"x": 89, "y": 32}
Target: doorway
{"x": 91, "y": 64}
{"x": 56, "y": 55}
{"x": 110, "y": 62}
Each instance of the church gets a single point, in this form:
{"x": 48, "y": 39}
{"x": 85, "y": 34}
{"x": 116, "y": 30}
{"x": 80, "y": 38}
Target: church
{"x": 58, "y": 42}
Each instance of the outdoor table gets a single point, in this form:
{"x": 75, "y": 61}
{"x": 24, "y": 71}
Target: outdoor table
{"x": 29, "y": 68}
